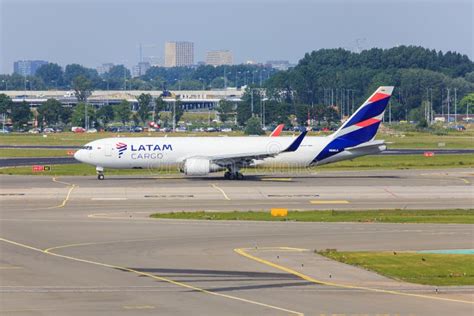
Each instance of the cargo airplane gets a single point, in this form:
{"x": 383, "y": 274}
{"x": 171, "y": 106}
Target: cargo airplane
{"x": 199, "y": 156}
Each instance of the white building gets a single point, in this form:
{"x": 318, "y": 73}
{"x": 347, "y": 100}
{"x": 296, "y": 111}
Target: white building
{"x": 219, "y": 58}
{"x": 179, "y": 54}
{"x": 140, "y": 69}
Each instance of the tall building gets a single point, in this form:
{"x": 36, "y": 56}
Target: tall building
{"x": 219, "y": 58}
{"x": 140, "y": 69}
{"x": 279, "y": 64}
{"x": 179, "y": 54}
{"x": 104, "y": 68}
{"x": 27, "y": 67}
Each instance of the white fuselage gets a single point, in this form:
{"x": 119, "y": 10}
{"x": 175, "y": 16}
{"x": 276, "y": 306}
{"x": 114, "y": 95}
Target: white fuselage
{"x": 167, "y": 152}
{"x": 157, "y": 152}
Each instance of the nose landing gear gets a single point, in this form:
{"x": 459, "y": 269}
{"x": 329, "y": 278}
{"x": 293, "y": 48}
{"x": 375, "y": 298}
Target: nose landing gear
{"x": 100, "y": 173}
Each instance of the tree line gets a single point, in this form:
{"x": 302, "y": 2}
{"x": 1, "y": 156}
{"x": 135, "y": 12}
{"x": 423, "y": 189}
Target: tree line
{"x": 53, "y": 76}
{"x": 53, "y": 113}
{"x": 337, "y": 77}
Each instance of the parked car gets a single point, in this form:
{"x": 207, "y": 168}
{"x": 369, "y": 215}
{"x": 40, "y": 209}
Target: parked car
{"x": 459, "y": 128}
{"x": 48, "y": 130}
{"x": 34, "y": 130}
{"x": 136, "y": 129}
{"x": 77, "y": 129}
{"x": 92, "y": 130}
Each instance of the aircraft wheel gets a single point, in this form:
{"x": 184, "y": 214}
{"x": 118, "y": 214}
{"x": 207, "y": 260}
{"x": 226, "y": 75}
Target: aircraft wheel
{"x": 100, "y": 176}
{"x": 232, "y": 176}
{"x": 227, "y": 175}
{"x": 239, "y": 176}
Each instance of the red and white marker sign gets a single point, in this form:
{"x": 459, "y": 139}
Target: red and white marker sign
{"x": 37, "y": 168}
{"x": 71, "y": 152}
{"x": 428, "y": 154}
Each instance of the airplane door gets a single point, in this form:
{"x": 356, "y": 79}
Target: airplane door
{"x": 108, "y": 150}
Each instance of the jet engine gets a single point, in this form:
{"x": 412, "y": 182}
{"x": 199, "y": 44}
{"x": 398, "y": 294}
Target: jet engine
{"x": 199, "y": 167}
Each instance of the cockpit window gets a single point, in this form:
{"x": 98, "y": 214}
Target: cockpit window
{"x": 87, "y": 148}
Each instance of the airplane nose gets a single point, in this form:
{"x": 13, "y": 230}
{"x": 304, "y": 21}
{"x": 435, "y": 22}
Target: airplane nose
{"x": 78, "y": 155}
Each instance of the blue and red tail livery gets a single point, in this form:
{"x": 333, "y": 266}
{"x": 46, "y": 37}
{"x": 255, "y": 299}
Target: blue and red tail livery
{"x": 361, "y": 127}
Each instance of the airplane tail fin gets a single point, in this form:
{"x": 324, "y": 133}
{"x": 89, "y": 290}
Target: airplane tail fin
{"x": 361, "y": 127}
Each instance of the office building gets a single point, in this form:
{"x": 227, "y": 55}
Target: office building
{"x": 140, "y": 69}
{"x": 279, "y": 64}
{"x": 219, "y": 58}
{"x": 27, "y": 67}
{"x": 104, "y": 68}
{"x": 179, "y": 54}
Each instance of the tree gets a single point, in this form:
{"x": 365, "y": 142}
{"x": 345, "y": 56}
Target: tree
{"x": 302, "y": 111}
{"x": 179, "y": 111}
{"x": 105, "y": 114}
{"x": 74, "y": 70}
{"x": 79, "y": 113}
{"x": 144, "y": 101}
{"x": 253, "y": 127}
{"x": 225, "y": 110}
{"x": 50, "y": 112}
{"x": 20, "y": 114}
{"x": 243, "y": 113}
{"x": 136, "y": 118}
{"x": 467, "y": 104}
{"x": 66, "y": 115}
{"x": 116, "y": 76}
{"x": 160, "y": 105}
{"x": 123, "y": 111}
{"x": 82, "y": 88}
{"x": 5, "y": 104}
{"x": 51, "y": 74}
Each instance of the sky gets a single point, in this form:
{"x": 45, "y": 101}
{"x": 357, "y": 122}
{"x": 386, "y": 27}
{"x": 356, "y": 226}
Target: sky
{"x": 92, "y": 32}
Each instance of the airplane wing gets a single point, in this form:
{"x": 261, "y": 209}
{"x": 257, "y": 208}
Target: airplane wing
{"x": 244, "y": 159}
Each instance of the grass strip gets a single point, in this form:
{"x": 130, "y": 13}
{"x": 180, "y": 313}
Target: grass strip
{"x": 34, "y": 152}
{"x": 379, "y": 162}
{"x": 456, "y": 216}
{"x": 429, "y": 269}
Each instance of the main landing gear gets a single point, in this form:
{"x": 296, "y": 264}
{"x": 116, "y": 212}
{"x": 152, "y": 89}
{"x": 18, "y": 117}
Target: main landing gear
{"x": 233, "y": 174}
{"x": 100, "y": 173}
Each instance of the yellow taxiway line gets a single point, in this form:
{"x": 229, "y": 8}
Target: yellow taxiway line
{"x": 68, "y": 195}
{"x": 329, "y": 202}
{"x": 222, "y": 191}
{"x": 150, "y": 275}
{"x": 244, "y": 252}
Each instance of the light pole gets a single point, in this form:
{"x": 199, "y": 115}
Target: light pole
{"x": 236, "y": 82}
{"x": 24, "y": 89}
{"x": 174, "y": 116}
{"x": 251, "y": 101}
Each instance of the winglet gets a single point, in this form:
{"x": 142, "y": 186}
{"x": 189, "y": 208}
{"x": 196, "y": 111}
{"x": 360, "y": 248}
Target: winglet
{"x": 277, "y": 131}
{"x": 296, "y": 143}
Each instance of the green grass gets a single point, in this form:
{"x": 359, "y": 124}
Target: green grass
{"x": 81, "y": 170}
{"x": 420, "y": 140}
{"x": 403, "y": 162}
{"x": 417, "y": 140}
{"x": 385, "y": 216}
{"x": 19, "y": 152}
{"x": 430, "y": 269}
{"x": 79, "y": 139}
{"x": 363, "y": 163}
